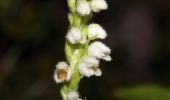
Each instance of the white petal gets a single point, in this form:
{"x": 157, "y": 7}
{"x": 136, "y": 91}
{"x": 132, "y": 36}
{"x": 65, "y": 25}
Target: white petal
{"x": 107, "y": 58}
{"x": 84, "y": 70}
{"x": 74, "y": 35}
{"x": 98, "y": 5}
{"x": 56, "y": 78}
{"x": 99, "y": 50}
{"x": 101, "y": 46}
{"x": 62, "y": 65}
{"x": 95, "y": 30}
{"x": 91, "y": 61}
{"x": 83, "y": 7}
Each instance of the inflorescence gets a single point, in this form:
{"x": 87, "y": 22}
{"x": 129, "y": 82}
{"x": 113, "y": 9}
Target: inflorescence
{"x": 83, "y": 48}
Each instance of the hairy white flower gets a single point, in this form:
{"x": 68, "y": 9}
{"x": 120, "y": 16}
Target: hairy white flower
{"x": 62, "y": 72}
{"x": 89, "y": 67}
{"x": 98, "y": 5}
{"x": 83, "y": 7}
{"x": 90, "y": 64}
{"x": 95, "y": 30}
{"x": 99, "y": 50}
{"x": 88, "y": 71}
{"x": 73, "y": 96}
{"x": 74, "y": 36}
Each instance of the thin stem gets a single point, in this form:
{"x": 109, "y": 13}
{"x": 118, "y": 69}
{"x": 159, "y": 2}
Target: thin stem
{"x": 76, "y": 58}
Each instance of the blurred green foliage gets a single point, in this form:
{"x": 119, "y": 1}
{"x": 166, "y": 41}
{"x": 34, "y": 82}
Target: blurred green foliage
{"x": 144, "y": 92}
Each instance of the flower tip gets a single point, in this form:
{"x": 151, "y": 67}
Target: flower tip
{"x": 107, "y": 58}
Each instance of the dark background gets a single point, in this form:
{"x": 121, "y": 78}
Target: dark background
{"x": 32, "y": 37}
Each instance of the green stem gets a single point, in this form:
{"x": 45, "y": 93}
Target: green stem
{"x": 75, "y": 52}
{"x": 75, "y": 59}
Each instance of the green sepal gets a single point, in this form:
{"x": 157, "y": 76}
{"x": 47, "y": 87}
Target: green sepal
{"x": 72, "y": 5}
{"x": 64, "y": 91}
{"x": 86, "y": 19}
{"x": 69, "y": 50}
{"x": 77, "y": 20}
{"x": 84, "y": 30}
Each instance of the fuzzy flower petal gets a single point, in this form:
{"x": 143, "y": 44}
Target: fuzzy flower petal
{"x": 74, "y": 36}
{"x": 83, "y": 7}
{"x": 91, "y": 61}
{"x": 85, "y": 70}
{"x": 95, "y": 30}
{"x": 99, "y": 50}
{"x": 89, "y": 66}
{"x": 98, "y": 5}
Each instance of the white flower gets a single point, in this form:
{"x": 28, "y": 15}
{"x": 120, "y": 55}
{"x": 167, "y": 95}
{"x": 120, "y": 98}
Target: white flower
{"x": 95, "y": 30}
{"x": 74, "y": 36}
{"x": 62, "y": 72}
{"x": 98, "y": 5}
{"x": 89, "y": 71}
{"x": 83, "y": 7}
{"x": 99, "y": 50}
{"x": 73, "y": 96}
{"x": 89, "y": 66}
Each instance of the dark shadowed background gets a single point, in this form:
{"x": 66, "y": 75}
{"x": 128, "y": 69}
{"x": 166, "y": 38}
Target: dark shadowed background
{"x": 32, "y": 37}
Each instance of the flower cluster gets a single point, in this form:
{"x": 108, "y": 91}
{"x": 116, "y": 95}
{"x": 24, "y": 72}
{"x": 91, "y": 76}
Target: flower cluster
{"x": 83, "y": 50}
{"x": 90, "y": 64}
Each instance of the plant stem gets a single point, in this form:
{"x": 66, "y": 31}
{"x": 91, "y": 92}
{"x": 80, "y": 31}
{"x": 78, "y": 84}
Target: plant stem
{"x": 74, "y": 60}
